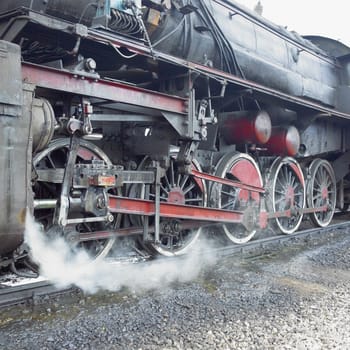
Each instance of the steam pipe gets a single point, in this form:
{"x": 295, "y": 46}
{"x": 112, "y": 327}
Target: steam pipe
{"x": 51, "y": 203}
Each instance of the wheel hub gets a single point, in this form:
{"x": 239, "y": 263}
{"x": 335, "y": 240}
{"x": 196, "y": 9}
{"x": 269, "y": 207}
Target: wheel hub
{"x": 290, "y": 195}
{"x": 324, "y": 192}
{"x": 176, "y": 196}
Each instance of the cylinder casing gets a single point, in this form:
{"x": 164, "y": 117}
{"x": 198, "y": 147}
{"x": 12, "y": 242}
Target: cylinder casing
{"x": 284, "y": 141}
{"x": 43, "y": 123}
{"x": 246, "y": 127}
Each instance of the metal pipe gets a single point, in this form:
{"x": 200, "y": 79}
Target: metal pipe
{"x": 45, "y": 203}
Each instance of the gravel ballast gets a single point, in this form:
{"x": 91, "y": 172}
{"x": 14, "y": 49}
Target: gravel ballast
{"x": 291, "y": 298}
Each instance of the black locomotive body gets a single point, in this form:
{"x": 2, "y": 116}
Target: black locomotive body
{"x": 157, "y": 118}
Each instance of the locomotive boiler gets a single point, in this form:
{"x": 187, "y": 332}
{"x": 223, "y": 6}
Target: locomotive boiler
{"x": 165, "y": 119}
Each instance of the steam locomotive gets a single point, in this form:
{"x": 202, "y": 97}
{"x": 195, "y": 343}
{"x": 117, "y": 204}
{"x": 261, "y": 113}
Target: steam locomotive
{"x": 159, "y": 119}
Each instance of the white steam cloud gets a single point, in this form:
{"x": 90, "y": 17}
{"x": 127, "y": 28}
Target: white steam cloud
{"x": 64, "y": 267}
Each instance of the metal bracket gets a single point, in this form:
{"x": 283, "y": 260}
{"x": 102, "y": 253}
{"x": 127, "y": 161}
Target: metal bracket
{"x": 185, "y": 156}
{"x": 184, "y": 9}
{"x": 81, "y": 122}
{"x": 146, "y": 235}
{"x": 206, "y": 114}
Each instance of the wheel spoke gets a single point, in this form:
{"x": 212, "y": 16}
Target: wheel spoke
{"x": 189, "y": 188}
{"x": 172, "y": 173}
{"x": 184, "y": 181}
{"x": 290, "y": 177}
{"x": 164, "y": 189}
{"x": 178, "y": 180}
{"x": 329, "y": 183}
{"x": 281, "y": 192}
{"x": 162, "y": 198}
{"x": 53, "y": 166}
{"x": 281, "y": 184}
{"x": 281, "y": 199}
{"x": 316, "y": 197}
{"x": 194, "y": 200}
{"x": 228, "y": 204}
{"x": 167, "y": 183}
{"x": 229, "y": 194}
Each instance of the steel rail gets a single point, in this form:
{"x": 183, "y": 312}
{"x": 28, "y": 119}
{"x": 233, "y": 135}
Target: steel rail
{"x": 264, "y": 242}
{"x": 14, "y": 295}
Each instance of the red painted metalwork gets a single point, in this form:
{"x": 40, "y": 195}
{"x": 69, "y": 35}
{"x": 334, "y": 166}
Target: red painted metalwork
{"x": 280, "y": 214}
{"x": 135, "y": 230}
{"x": 145, "y": 207}
{"x": 227, "y": 182}
{"x": 244, "y": 170}
{"x": 263, "y": 219}
{"x": 297, "y": 170}
{"x": 102, "y": 180}
{"x": 96, "y": 235}
{"x": 51, "y": 78}
{"x": 176, "y": 195}
{"x": 324, "y": 208}
{"x": 288, "y": 213}
{"x": 125, "y": 204}
{"x": 85, "y": 153}
{"x": 247, "y": 127}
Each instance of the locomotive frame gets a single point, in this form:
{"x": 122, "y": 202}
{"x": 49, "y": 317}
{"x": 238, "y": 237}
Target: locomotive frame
{"x": 159, "y": 147}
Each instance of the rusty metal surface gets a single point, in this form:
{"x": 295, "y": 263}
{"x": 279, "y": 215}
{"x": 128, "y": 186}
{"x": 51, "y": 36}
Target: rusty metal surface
{"x": 108, "y": 38}
{"x": 258, "y": 90}
{"x": 14, "y": 145}
{"x": 50, "y": 78}
{"x": 11, "y": 80}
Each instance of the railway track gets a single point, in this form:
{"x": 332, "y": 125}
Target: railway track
{"x": 280, "y": 239}
{"x": 29, "y": 290}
